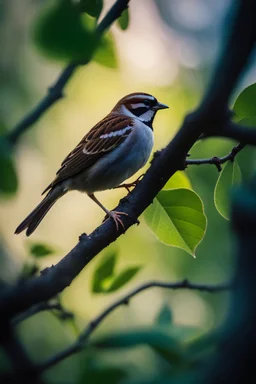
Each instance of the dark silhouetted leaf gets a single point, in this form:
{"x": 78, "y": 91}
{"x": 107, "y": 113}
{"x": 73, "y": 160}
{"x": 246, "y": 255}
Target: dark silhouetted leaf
{"x": 40, "y": 250}
{"x": 123, "y": 20}
{"x": 103, "y": 272}
{"x": 8, "y": 177}
{"x": 123, "y": 278}
{"x": 160, "y": 341}
{"x": 100, "y": 375}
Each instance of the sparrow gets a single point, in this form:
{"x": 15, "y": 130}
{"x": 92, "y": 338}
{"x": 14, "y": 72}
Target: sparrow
{"x": 111, "y": 152}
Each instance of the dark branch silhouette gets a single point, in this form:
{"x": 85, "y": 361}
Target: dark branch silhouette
{"x": 236, "y": 348}
{"x": 83, "y": 338}
{"x": 238, "y": 132}
{"x": 212, "y": 114}
{"x": 217, "y": 161}
{"x": 55, "y": 92}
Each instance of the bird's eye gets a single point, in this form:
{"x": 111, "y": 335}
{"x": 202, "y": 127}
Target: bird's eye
{"x": 147, "y": 102}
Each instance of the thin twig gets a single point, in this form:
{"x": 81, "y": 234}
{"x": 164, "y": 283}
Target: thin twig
{"x": 83, "y": 338}
{"x": 217, "y": 161}
{"x": 40, "y": 308}
{"x": 55, "y": 92}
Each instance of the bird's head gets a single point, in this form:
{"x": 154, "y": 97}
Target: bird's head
{"x": 139, "y": 105}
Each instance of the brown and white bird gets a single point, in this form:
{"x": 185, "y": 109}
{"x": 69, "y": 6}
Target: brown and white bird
{"x": 111, "y": 152}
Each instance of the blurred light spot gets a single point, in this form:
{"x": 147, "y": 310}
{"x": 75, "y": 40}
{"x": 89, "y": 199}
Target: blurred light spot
{"x": 192, "y": 14}
{"x": 190, "y": 309}
{"x": 188, "y": 53}
{"x": 148, "y": 52}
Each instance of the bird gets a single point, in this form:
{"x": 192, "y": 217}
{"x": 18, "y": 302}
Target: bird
{"x": 110, "y": 153}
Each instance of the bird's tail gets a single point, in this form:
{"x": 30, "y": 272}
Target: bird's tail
{"x": 36, "y": 216}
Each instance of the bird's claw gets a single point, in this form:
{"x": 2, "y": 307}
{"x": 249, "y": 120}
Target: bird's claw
{"x": 114, "y": 215}
{"x": 127, "y": 186}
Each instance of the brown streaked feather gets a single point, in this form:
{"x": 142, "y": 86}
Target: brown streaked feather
{"x": 92, "y": 147}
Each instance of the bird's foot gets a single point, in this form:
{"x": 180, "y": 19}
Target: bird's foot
{"x": 127, "y": 186}
{"x": 115, "y": 216}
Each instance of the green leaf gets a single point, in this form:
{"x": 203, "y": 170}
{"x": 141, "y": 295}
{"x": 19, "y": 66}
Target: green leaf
{"x": 123, "y": 278}
{"x": 229, "y": 176}
{"x": 104, "y": 271}
{"x": 248, "y": 121}
{"x": 63, "y": 33}
{"x": 164, "y": 317}
{"x": 123, "y": 20}
{"x": 8, "y": 176}
{"x": 244, "y": 105}
{"x": 40, "y": 250}
{"x": 177, "y": 218}
{"x": 92, "y": 7}
{"x": 161, "y": 341}
{"x": 185, "y": 334}
{"x": 105, "y": 53}
{"x": 178, "y": 180}
{"x": 3, "y": 128}
{"x": 100, "y": 375}
{"x": 247, "y": 157}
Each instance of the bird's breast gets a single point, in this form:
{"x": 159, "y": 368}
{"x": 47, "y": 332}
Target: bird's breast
{"x": 121, "y": 163}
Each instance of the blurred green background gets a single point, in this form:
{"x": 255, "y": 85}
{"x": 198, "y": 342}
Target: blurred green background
{"x": 168, "y": 50}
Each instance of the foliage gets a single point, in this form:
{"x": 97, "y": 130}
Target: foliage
{"x": 40, "y": 250}
{"x": 177, "y": 218}
{"x": 229, "y": 176}
{"x": 164, "y": 317}
{"x": 105, "y": 53}
{"x": 123, "y": 20}
{"x": 102, "y": 374}
{"x": 92, "y": 7}
{"x": 105, "y": 280}
{"x": 54, "y": 39}
{"x": 244, "y": 106}
{"x": 78, "y": 42}
{"x": 8, "y": 176}
{"x": 245, "y": 113}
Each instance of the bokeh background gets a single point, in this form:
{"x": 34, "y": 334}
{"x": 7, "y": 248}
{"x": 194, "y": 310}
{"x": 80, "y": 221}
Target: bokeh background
{"x": 169, "y": 50}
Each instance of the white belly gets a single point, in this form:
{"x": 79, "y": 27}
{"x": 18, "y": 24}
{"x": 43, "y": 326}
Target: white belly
{"x": 120, "y": 164}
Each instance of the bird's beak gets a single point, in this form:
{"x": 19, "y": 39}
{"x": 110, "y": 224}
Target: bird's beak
{"x": 160, "y": 106}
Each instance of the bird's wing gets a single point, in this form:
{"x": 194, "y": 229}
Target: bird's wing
{"x": 105, "y": 136}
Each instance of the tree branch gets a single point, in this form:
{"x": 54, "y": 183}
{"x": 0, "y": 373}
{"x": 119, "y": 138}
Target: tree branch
{"x": 55, "y": 92}
{"x": 217, "y": 161}
{"x": 243, "y": 134}
{"x": 236, "y": 349}
{"x": 83, "y": 338}
{"x": 212, "y": 113}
